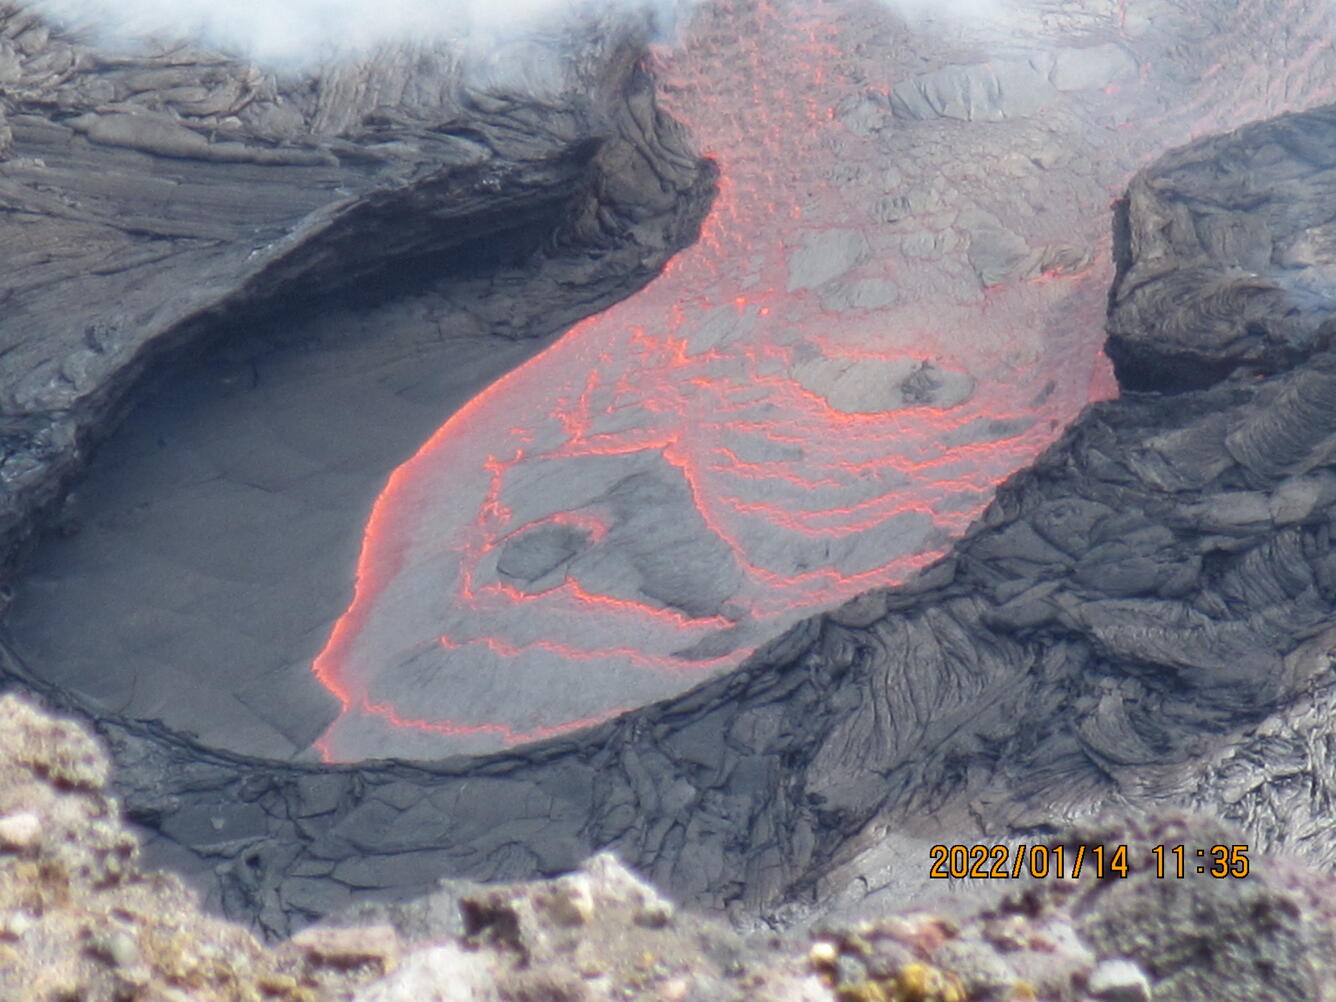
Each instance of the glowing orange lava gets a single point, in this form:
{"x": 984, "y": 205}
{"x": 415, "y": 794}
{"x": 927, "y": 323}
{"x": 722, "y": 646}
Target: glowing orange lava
{"x": 810, "y": 402}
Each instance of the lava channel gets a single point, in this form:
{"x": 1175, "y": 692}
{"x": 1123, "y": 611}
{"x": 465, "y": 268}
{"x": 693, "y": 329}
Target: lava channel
{"x": 892, "y": 307}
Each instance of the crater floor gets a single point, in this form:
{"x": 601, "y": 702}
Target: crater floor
{"x": 897, "y": 301}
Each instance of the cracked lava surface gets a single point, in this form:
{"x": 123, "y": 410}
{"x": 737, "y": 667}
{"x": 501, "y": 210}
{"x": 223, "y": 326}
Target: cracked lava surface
{"x": 895, "y": 302}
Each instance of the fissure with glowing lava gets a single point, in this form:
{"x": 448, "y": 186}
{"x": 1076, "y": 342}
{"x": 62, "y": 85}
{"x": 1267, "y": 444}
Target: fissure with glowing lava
{"x": 809, "y": 403}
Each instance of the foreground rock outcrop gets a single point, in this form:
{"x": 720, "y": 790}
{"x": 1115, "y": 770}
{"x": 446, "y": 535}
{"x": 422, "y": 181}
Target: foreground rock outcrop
{"x": 80, "y": 918}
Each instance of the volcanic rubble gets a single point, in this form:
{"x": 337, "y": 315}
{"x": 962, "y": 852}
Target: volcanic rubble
{"x": 80, "y": 918}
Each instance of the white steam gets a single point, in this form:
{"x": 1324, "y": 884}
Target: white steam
{"x": 296, "y": 33}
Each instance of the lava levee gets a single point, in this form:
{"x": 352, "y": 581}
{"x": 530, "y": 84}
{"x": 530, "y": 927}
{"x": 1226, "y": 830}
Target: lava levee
{"x": 892, "y": 306}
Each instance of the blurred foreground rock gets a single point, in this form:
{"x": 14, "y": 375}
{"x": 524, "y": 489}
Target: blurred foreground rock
{"x": 79, "y": 920}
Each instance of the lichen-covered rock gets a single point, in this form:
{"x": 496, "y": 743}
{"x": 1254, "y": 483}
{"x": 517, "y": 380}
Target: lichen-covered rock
{"x": 78, "y": 918}
{"x": 1119, "y": 981}
{"x": 600, "y": 933}
{"x": 1259, "y": 931}
{"x": 1126, "y": 929}
{"x": 445, "y": 973}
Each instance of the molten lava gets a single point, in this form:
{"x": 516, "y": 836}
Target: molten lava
{"x": 810, "y": 402}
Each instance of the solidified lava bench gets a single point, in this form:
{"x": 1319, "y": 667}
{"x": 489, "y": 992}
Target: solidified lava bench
{"x": 307, "y": 531}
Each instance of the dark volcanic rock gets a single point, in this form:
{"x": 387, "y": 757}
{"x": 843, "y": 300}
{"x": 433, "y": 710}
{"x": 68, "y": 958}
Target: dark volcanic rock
{"x": 155, "y": 203}
{"x": 1225, "y": 257}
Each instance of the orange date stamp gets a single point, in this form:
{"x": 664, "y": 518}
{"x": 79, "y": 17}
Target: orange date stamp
{"x": 1074, "y": 861}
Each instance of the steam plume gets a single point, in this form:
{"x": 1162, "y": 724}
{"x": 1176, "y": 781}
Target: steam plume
{"x": 296, "y": 34}
{"x": 292, "y": 34}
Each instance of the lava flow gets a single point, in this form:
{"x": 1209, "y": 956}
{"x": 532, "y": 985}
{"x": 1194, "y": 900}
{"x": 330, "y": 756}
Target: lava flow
{"x": 889, "y": 310}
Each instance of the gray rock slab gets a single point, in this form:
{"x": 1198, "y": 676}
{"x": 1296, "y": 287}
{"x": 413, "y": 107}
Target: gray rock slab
{"x": 204, "y": 824}
{"x": 1092, "y": 66}
{"x": 394, "y": 869}
{"x": 293, "y": 703}
{"x": 984, "y": 92}
{"x": 316, "y": 896}
{"x": 318, "y": 793}
{"x": 825, "y": 255}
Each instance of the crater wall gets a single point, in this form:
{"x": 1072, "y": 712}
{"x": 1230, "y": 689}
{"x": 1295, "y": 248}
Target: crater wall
{"x": 1144, "y": 615}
